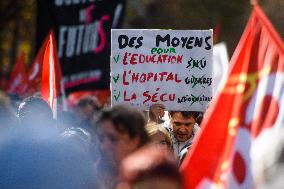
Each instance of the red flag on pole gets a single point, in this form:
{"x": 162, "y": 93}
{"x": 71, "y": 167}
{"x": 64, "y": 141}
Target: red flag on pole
{"x": 51, "y": 74}
{"x": 34, "y": 74}
{"x": 248, "y": 106}
{"x": 18, "y": 79}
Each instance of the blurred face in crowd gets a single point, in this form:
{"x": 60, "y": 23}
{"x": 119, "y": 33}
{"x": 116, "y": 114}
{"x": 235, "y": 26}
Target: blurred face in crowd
{"x": 160, "y": 140}
{"x": 115, "y": 145}
{"x": 182, "y": 126}
{"x": 85, "y": 112}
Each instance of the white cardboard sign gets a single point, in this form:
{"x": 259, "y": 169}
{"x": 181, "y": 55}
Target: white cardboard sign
{"x": 172, "y": 67}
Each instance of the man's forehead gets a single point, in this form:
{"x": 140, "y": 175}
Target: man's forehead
{"x": 179, "y": 116}
{"x": 107, "y": 127}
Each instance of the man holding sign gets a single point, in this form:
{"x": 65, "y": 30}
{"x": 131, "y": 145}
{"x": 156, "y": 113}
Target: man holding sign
{"x": 169, "y": 67}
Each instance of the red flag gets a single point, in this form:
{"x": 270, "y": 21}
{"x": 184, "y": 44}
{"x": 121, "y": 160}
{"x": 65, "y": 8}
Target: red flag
{"x": 248, "y": 107}
{"x": 18, "y": 79}
{"x": 51, "y": 74}
{"x": 34, "y": 74}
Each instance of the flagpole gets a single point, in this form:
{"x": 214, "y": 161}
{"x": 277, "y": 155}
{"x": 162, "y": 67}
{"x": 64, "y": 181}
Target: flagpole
{"x": 52, "y": 97}
{"x": 55, "y": 108}
{"x": 65, "y": 108}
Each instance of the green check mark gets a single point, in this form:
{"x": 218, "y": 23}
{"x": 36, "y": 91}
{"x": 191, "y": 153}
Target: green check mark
{"x": 116, "y": 59}
{"x": 116, "y": 96}
{"x": 115, "y": 79}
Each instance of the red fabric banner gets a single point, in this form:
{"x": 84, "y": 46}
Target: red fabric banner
{"x": 18, "y": 80}
{"x": 249, "y": 104}
{"x": 51, "y": 73}
{"x": 35, "y": 72}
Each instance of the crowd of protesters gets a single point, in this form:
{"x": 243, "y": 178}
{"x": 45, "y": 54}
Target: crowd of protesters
{"x": 92, "y": 146}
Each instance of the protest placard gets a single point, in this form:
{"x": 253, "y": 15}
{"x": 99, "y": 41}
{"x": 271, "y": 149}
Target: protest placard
{"x": 173, "y": 67}
{"x": 82, "y": 32}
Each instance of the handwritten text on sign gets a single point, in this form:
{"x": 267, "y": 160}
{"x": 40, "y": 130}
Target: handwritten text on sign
{"x": 173, "y": 67}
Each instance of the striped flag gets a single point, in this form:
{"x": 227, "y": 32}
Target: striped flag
{"x": 249, "y": 107}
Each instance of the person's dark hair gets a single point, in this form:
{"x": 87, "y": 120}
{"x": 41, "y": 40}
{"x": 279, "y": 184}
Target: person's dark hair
{"x": 152, "y": 115}
{"x": 186, "y": 114}
{"x": 200, "y": 118}
{"x": 88, "y": 100}
{"x": 127, "y": 120}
